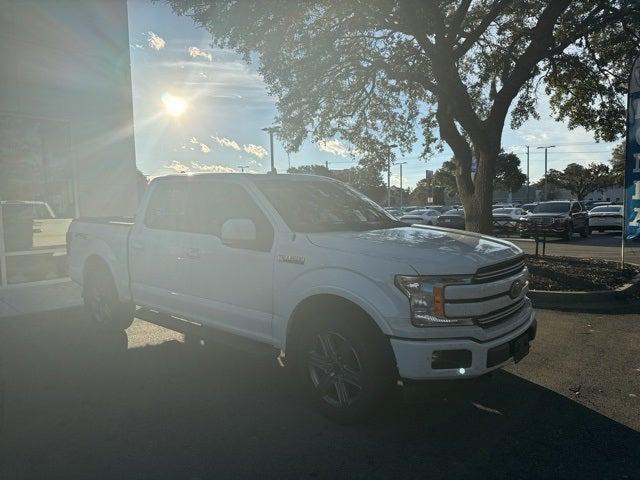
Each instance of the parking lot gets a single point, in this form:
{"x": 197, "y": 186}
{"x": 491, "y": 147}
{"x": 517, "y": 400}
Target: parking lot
{"x": 153, "y": 403}
{"x": 598, "y": 245}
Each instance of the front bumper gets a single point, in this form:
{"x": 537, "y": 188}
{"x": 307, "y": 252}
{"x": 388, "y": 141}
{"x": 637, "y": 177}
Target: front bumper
{"x": 415, "y": 358}
{"x": 550, "y": 229}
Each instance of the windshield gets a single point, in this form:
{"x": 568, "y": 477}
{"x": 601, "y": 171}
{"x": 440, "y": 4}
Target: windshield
{"x": 321, "y": 206}
{"x": 614, "y": 209}
{"x": 554, "y": 207}
{"x": 457, "y": 213}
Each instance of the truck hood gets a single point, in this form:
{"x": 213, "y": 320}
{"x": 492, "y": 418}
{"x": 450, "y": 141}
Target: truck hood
{"x": 428, "y": 250}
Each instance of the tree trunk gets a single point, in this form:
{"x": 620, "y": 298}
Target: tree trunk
{"x": 478, "y": 201}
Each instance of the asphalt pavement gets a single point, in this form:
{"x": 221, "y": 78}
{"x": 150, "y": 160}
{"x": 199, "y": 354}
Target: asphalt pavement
{"x": 156, "y": 403}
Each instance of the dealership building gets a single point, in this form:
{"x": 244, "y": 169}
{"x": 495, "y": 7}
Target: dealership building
{"x": 66, "y": 136}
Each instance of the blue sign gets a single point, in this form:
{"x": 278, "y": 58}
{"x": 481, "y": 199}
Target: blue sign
{"x": 632, "y": 165}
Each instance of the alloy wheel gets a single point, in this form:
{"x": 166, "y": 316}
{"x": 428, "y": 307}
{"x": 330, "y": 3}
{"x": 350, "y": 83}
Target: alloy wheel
{"x": 335, "y": 369}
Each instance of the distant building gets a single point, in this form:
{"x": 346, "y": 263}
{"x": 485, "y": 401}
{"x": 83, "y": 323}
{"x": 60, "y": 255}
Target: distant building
{"x": 66, "y": 129}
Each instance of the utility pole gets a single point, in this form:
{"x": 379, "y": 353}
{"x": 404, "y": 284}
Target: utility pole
{"x": 546, "y": 189}
{"x": 528, "y": 183}
{"x": 389, "y": 174}
{"x": 288, "y": 161}
{"x": 271, "y": 130}
{"x": 242, "y": 167}
{"x": 401, "y": 192}
{"x": 326, "y": 165}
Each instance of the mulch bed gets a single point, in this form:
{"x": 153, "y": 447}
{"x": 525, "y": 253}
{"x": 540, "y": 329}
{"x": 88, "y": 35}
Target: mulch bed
{"x": 577, "y": 274}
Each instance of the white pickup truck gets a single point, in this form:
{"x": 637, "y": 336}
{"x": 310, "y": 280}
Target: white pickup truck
{"x": 353, "y": 299}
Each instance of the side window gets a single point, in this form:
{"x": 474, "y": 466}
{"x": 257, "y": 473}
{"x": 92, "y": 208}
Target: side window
{"x": 167, "y": 207}
{"x": 575, "y": 208}
{"x": 210, "y": 204}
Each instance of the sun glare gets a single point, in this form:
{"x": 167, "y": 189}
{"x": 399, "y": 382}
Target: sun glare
{"x": 173, "y": 105}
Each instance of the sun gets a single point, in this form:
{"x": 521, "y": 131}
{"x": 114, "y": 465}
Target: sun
{"x": 173, "y": 105}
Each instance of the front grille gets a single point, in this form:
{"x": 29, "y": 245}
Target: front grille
{"x": 495, "y": 317}
{"x": 499, "y": 270}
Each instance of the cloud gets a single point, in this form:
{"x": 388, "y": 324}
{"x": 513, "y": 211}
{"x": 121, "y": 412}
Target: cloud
{"x": 196, "y": 167}
{"x": 335, "y": 147}
{"x": 255, "y": 150}
{"x": 155, "y": 41}
{"x": 195, "y": 52}
{"x": 227, "y": 142}
{"x": 204, "y": 148}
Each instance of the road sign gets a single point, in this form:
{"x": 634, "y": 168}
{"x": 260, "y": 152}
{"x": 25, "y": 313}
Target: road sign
{"x": 632, "y": 164}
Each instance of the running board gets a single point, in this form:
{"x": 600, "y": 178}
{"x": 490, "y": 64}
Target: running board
{"x": 194, "y": 331}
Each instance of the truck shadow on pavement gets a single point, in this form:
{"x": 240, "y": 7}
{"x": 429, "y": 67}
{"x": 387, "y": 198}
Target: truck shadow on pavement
{"x": 84, "y": 404}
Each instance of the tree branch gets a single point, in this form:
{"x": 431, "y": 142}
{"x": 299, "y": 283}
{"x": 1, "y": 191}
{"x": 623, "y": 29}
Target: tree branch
{"x": 541, "y": 38}
{"x": 473, "y": 36}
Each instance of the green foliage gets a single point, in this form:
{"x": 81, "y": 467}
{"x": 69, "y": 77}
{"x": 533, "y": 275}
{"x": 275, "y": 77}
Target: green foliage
{"x": 445, "y": 177}
{"x": 579, "y": 180}
{"x": 508, "y": 175}
{"x": 617, "y": 162}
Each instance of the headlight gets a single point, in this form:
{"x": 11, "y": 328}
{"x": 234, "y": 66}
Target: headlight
{"x": 426, "y": 300}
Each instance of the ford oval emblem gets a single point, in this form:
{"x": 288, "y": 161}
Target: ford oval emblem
{"x": 516, "y": 289}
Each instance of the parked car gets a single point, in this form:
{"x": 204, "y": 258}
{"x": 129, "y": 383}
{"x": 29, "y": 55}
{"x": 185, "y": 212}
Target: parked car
{"x": 452, "y": 219}
{"x": 501, "y": 205}
{"x": 32, "y": 224}
{"x": 423, "y": 216}
{"x": 396, "y": 212}
{"x": 352, "y": 299}
{"x": 556, "y": 218}
{"x": 606, "y": 217}
{"x": 507, "y": 220}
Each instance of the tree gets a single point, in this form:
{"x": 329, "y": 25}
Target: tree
{"x": 581, "y": 181}
{"x": 370, "y": 71}
{"x": 617, "y": 162}
{"x": 445, "y": 177}
{"x": 363, "y": 178}
{"x": 311, "y": 170}
{"x": 508, "y": 175}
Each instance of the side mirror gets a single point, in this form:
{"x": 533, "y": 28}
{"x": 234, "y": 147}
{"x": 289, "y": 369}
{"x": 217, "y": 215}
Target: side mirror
{"x": 238, "y": 232}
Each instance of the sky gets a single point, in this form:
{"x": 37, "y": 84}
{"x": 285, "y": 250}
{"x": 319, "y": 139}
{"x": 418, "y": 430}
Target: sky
{"x": 200, "y": 108}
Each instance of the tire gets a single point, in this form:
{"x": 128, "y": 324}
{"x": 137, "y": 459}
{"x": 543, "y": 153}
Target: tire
{"x": 343, "y": 365}
{"x": 586, "y": 231}
{"x": 569, "y": 233}
{"x": 101, "y": 300}
{"x": 601, "y": 230}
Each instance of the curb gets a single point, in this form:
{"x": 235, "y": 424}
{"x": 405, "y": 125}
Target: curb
{"x": 584, "y": 301}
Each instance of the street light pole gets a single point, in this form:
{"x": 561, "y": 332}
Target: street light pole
{"x": 546, "y": 189}
{"x": 401, "y": 192}
{"x": 389, "y": 174}
{"x": 271, "y": 130}
{"x": 528, "y": 182}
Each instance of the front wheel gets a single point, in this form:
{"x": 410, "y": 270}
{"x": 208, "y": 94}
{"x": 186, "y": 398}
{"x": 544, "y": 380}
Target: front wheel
{"x": 586, "y": 231}
{"x": 344, "y": 366}
{"x": 569, "y": 232}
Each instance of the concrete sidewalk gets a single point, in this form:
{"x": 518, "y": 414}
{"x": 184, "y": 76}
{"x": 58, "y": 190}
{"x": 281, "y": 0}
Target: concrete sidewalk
{"x": 32, "y": 299}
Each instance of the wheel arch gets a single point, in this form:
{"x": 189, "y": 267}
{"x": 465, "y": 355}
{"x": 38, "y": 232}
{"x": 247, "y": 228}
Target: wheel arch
{"x": 302, "y": 311}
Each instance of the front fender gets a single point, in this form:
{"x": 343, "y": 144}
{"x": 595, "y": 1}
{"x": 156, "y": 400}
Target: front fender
{"x": 376, "y": 297}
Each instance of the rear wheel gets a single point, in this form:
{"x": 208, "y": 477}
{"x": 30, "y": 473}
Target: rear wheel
{"x": 105, "y": 309}
{"x": 343, "y": 365}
